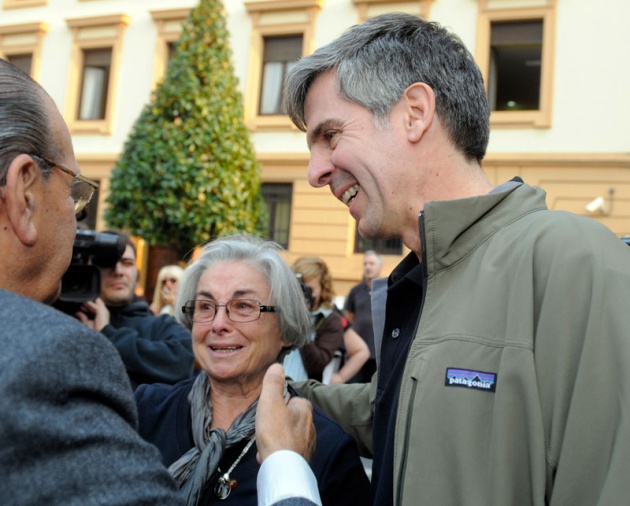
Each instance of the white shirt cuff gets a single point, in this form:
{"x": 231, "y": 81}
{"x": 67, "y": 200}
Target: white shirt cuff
{"x": 285, "y": 474}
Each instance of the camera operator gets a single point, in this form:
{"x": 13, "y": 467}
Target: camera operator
{"x": 154, "y": 349}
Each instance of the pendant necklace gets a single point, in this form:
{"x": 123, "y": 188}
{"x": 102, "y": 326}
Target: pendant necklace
{"x": 224, "y": 484}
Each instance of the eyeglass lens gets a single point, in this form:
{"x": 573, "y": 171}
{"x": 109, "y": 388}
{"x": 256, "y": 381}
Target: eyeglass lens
{"x": 238, "y": 310}
{"x": 81, "y": 194}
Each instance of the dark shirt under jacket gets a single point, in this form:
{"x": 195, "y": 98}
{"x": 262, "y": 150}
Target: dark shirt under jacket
{"x": 404, "y": 300}
{"x": 359, "y": 303}
{"x": 165, "y": 421}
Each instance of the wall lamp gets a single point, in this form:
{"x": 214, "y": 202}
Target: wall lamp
{"x": 598, "y": 204}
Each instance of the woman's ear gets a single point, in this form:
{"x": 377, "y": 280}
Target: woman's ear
{"x": 21, "y": 195}
{"x": 419, "y": 101}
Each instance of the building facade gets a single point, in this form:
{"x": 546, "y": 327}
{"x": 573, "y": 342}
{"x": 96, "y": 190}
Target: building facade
{"x": 556, "y": 76}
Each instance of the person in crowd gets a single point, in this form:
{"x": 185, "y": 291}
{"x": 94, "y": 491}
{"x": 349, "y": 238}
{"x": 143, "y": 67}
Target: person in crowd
{"x": 155, "y": 349}
{"x": 67, "y": 414}
{"x": 349, "y": 359}
{"x": 245, "y": 309}
{"x": 166, "y": 290}
{"x": 502, "y": 345}
{"x": 326, "y": 335}
{"x": 358, "y": 309}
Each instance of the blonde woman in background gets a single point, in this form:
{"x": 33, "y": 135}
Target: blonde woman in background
{"x": 166, "y": 287}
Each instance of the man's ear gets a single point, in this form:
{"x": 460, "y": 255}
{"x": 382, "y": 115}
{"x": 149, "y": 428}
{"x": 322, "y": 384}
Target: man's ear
{"x": 419, "y": 99}
{"x": 21, "y": 194}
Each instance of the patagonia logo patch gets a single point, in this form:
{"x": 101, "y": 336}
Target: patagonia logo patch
{"x": 465, "y": 378}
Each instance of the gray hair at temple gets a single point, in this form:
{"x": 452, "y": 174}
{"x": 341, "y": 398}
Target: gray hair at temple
{"x": 285, "y": 291}
{"x": 377, "y": 61}
{"x": 24, "y": 119}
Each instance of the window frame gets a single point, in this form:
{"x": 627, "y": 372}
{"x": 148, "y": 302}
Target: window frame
{"x": 22, "y": 4}
{"x": 101, "y": 32}
{"x": 488, "y": 14}
{"x": 24, "y": 39}
{"x": 275, "y": 18}
{"x": 372, "y": 8}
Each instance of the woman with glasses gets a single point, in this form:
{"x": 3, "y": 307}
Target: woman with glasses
{"x": 166, "y": 290}
{"x": 245, "y": 310}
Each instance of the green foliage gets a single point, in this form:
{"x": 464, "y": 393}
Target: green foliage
{"x": 188, "y": 172}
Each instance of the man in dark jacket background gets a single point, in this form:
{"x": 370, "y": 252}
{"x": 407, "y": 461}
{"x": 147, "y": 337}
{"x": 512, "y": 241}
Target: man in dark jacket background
{"x": 154, "y": 349}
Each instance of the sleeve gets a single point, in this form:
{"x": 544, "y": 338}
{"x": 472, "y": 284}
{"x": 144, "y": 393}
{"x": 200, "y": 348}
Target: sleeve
{"x": 350, "y": 405}
{"x": 159, "y": 352}
{"x": 582, "y": 352}
{"x": 319, "y": 353}
{"x": 68, "y": 427}
{"x": 286, "y": 478}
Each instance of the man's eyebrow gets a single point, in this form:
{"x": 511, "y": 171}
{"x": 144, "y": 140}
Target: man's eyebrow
{"x": 317, "y": 131}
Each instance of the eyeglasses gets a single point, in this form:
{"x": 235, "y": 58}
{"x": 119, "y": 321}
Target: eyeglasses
{"x": 172, "y": 280}
{"x": 238, "y": 310}
{"x": 82, "y": 188}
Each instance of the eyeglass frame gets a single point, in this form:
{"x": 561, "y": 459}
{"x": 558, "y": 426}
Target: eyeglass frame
{"x": 80, "y": 203}
{"x": 189, "y": 310}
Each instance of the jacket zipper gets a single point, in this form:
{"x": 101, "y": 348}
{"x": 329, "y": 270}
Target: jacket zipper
{"x": 405, "y": 448}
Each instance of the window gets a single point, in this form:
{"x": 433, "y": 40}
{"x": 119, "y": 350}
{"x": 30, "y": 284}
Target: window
{"x": 96, "y": 70}
{"x": 515, "y": 54}
{"x": 279, "y": 55}
{"x": 282, "y": 31}
{"x": 169, "y": 27}
{"x": 381, "y": 246}
{"x": 277, "y": 197}
{"x": 22, "y": 61}
{"x": 21, "y": 45}
{"x": 515, "y": 57}
{"x": 371, "y": 8}
{"x": 93, "y": 78}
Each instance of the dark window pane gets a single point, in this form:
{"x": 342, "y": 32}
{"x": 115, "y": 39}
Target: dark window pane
{"x": 381, "y": 246}
{"x": 278, "y": 197}
{"x": 94, "y": 83}
{"x": 278, "y": 56}
{"x": 515, "y": 63}
{"x": 22, "y": 61}
{"x": 171, "y": 48}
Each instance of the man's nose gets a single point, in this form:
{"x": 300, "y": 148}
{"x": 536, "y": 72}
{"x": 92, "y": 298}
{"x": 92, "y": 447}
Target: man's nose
{"x": 320, "y": 169}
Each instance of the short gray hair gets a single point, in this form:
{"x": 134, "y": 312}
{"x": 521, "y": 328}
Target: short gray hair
{"x": 377, "y": 61}
{"x": 25, "y": 125}
{"x": 286, "y": 293}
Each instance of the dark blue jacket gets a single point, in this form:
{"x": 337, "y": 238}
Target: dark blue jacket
{"x": 165, "y": 421}
{"x": 154, "y": 349}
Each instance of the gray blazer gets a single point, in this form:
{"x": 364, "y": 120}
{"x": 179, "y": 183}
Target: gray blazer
{"x": 68, "y": 417}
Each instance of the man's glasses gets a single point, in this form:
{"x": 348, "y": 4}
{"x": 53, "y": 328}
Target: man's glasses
{"x": 238, "y": 310}
{"x": 82, "y": 188}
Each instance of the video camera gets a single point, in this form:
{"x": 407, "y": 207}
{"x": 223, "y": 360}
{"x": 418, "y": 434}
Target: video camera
{"x": 82, "y": 280}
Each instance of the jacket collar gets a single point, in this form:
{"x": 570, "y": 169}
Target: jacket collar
{"x": 454, "y": 228}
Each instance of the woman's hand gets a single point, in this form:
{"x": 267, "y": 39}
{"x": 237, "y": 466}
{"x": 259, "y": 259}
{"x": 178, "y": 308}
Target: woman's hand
{"x": 281, "y": 425}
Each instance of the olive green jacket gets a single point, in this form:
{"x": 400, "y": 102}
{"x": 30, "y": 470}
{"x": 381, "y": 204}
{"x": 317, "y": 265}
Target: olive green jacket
{"x": 516, "y": 389}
